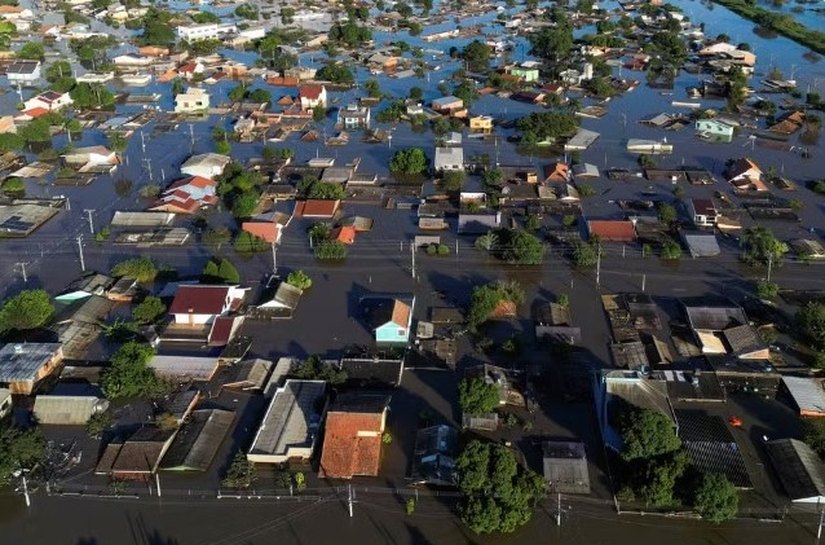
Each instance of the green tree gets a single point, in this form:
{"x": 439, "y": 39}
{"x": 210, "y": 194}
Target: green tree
{"x": 11, "y": 142}
{"x": 487, "y": 242}
{"x": 657, "y": 477}
{"x": 493, "y": 178}
{"x": 141, "y": 269}
{"x": 32, "y": 51}
{"x": 373, "y": 88}
{"x": 299, "y": 279}
{"x": 247, "y": 11}
{"x": 409, "y": 161}
{"x": 646, "y": 433}
{"x": 241, "y": 473}
{"x": 149, "y": 310}
{"x": 220, "y": 271}
{"x": 486, "y": 300}
{"x": 202, "y": 17}
{"x": 667, "y": 213}
{"x": 336, "y": 73}
{"x": 542, "y": 125}
{"x": 716, "y": 499}
{"x": 92, "y": 96}
{"x": 313, "y": 368}
{"x": 20, "y": 449}
{"x": 477, "y": 56}
{"x": 762, "y": 247}
{"x": 585, "y": 255}
{"x": 245, "y": 204}
{"x": 35, "y": 131}
{"x": 767, "y": 290}
{"x": 28, "y": 309}
{"x": 523, "y": 248}
{"x": 453, "y": 180}
{"x": 476, "y": 396}
{"x": 814, "y": 434}
{"x": 99, "y": 423}
{"x": 671, "y": 250}
{"x": 553, "y": 44}
{"x": 130, "y": 375}
{"x": 811, "y": 319}
{"x": 498, "y": 494}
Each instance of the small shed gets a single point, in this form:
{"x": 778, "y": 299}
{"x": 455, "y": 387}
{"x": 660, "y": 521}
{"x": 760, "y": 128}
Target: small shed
{"x": 67, "y": 410}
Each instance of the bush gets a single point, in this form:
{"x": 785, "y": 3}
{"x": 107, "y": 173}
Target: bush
{"x": 485, "y": 300}
{"x": 223, "y": 147}
{"x": 767, "y": 290}
{"x": 299, "y": 279}
{"x": 671, "y": 250}
{"x": 241, "y": 473}
{"x": 247, "y": 243}
{"x": 330, "y": 250}
{"x": 453, "y": 180}
{"x": 98, "y": 423}
{"x": 148, "y": 310}
{"x": 409, "y": 161}
{"x": 811, "y": 319}
{"x": 443, "y": 249}
{"x": 141, "y": 269}
{"x": 585, "y": 255}
{"x": 716, "y": 499}
{"x": 220, "y": 270}
{"x": 14, "y": 185}
{"x": 409, "y": 506}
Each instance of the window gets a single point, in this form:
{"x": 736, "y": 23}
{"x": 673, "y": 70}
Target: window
{"x": 402, "y": 332}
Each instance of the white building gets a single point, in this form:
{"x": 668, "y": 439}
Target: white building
{"x": 205, "y": 165}
{"x": 193, "y": 33}
{"x": 194, "y": 100}
{"x": 449, "y": 159}
{"x": 50, "y": 100}
{"x": 23, "y": 72}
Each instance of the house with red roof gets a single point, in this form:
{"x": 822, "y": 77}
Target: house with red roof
{"x": 354, "y": 428}
{"x": 187, "y": 196}
{"x": 557, "y": 172}
{"x": 612, "y": 230}
{"x": 312, "y": 95}
{"x": 344, "y": 234}
{"x": 316, "y": 208}
{"x": 200, "y": 304}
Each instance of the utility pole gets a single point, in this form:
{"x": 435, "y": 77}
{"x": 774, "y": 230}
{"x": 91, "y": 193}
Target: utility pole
{"x": 350, "y": 499}
{"x": 149, "y": 167}
{"x": 770, "y": 266}
{"x": 23, "y": 268}
{"x": 558, "y": 509}
{"x": 157, "y": 482}
{"x": 274, "y": 259}
{"x": 29, "y": 501}
{"x": 819, "y": 526}
{"x": 644, "y": 281}
{"x": 599, "y": 265}
{"x": 412, "y": 258}
{"x": 80, "y": 249}
{"x": 143, "y": 142}
{"x": 89, "y": 212}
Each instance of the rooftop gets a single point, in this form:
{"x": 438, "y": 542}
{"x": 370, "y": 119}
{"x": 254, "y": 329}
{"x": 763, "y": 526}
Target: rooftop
{"x": 799, "y": 468}
{"x": 197, "y": 441}
{"x": 352, "y": 435}
{"x": 292, "y": 419}
{"x": 22, "y": 362}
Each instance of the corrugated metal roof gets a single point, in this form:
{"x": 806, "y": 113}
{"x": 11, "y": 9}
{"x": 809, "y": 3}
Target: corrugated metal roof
{"x": 197, "y": 442}
{"x": 292, "y": 418}
{"x": 808, "y": 393}
{"x": 799, "y": 469}
{"x": 67, "y": 410}
{"x": 22, "y": 362}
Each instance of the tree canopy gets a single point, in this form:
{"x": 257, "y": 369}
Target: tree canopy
{"x": 299, "y": 279}
{"x": 130, "y": 374}
{"x": 220, "y": 271}
{"x": 19, "y": 449}
{"x": 716, "y": 498}
{"x": 538, "y": 126}
{"x": 409, "y": 161}
{"x": 811, "y": 319}
{"x": 27, "y": 310}
{"x": 349, "y": 34}
{"x": 486, "y": 300}
{"x": 476, "y": 396}
{"x": 32, "y": 51}
{"x": 336, "y": 73}
{"x": 141, "y": 269}
{"x": 760, "y": 246}
{"x": 498, "y": 494}
{"x": 646, "y": 432}
{"x": 148, "y": 310}
{"x": 313, "y": 368}
{"x": 477, "y": 56}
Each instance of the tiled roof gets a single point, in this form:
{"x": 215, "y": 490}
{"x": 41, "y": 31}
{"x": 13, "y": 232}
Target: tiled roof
{"x": 312, "y": 92}
{"x": 316, "y": 208}
{"x": 352, "y": 440}
{"x": 199, "y": 300}
{"x": 612, "y": 230}
{"x": 401, "y": 313}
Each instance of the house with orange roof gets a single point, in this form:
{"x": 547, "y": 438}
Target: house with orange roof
{"x": 557, "y": 172}
{"x": 353, "y": 432}
{"x": 187, "y": 196}
{"x": 316, "y": 208}
{"x": 312, "y": 95}
{"x": 266, "y": 230}
{"x": 390, "y": 318}
{"x": 344, "y": 234}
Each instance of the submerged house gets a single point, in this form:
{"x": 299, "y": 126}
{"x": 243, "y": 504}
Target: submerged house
{"x": 389, "y": 318}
